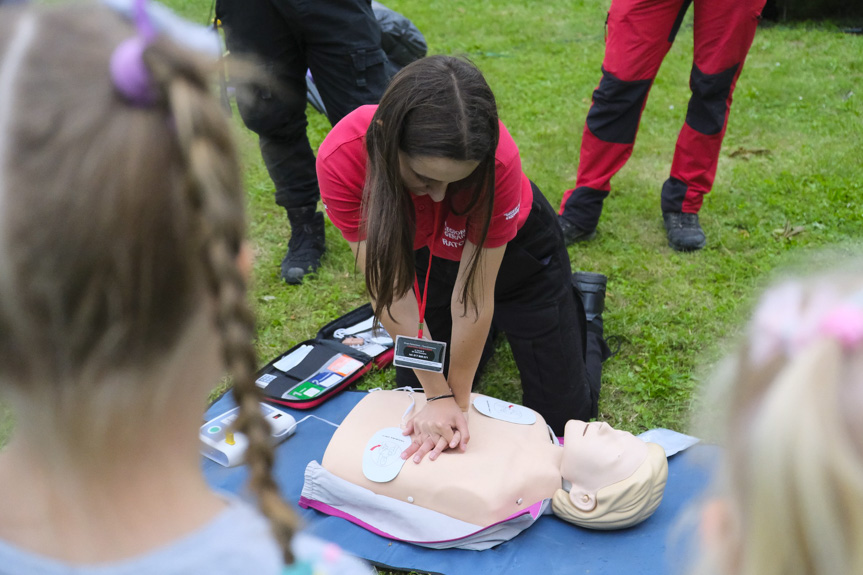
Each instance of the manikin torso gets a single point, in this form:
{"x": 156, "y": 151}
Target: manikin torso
{"x": 507, "y": 467}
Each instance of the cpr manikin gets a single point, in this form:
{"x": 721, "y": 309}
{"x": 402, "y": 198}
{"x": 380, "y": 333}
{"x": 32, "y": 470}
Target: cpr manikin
{"x": 510, "y": 474}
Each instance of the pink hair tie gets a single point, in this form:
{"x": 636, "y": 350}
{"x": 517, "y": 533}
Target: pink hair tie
{"x": 845, "y": 323}
{"x": 129, "y": 72}
{"x": 775, "y": 321}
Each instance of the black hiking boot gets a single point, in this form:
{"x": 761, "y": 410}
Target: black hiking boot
{"x": 592, "y": 290}
{"x": 592, "y": 287}
{"x": 573, "y": 233}
{"x": 306, "y": 245}
{"x": 684, "y": 232}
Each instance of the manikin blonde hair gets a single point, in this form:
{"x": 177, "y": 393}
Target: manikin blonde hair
{"x": 625, "y": 503}
{"x": 120, "y": 227}
{"x": 792, "y": 483}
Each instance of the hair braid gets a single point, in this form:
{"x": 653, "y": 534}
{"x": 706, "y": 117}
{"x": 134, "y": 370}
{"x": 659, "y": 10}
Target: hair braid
{"x": 214, "y": 188}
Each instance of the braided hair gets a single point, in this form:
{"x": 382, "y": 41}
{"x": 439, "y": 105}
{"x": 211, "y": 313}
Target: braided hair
{"x": 116, "y": 223}
{"x": 208, "y": 151}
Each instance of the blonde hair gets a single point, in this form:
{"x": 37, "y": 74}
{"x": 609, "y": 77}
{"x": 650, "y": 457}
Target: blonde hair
{"x": 793, "y": 471}
{"x": 119, "y": 227}
{"x": 625, "y": 503}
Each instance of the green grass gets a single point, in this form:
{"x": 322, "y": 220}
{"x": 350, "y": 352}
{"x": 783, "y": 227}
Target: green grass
{"x": 790, "y": 157}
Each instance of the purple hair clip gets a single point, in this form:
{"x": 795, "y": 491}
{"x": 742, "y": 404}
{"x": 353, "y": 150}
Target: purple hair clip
{"x": 128, "y": 70}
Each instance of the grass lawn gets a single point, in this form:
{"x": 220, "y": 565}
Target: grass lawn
{"x": 789, "y": 189}
{"x": 789, "y": 186}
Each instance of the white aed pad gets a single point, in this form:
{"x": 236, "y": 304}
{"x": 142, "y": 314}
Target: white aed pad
{"x": 227, "y": 447}
{"x": 504, "y": 411}
{"x": 382, "y": 460}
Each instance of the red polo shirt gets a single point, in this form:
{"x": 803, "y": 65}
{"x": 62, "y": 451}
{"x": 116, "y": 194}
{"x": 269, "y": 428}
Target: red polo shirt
{"x": 341, "y": 167}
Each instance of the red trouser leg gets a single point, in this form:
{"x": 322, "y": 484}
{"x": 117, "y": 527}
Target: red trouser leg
{"x": 640, "y": 33}
{"x": 724, "y": 30}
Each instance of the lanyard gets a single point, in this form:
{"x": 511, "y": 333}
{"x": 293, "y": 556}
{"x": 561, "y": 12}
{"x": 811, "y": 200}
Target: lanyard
{"x": 421, "y": 302}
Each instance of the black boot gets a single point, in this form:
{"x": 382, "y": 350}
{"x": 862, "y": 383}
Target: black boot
{"x": 573, "y": 234}
{"x": 683, "y": 231}
{"x": 306, "y": 245}
{"x": 592, "y": 287}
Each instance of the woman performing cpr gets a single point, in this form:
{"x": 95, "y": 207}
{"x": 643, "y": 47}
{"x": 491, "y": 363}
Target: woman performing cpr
{"x": 428, "y": 190}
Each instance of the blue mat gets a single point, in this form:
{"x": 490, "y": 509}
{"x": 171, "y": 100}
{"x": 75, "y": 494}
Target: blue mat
{"x": 550, "y": 547}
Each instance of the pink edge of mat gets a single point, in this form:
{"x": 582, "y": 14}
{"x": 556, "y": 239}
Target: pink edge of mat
{"x": 306, "y": 503}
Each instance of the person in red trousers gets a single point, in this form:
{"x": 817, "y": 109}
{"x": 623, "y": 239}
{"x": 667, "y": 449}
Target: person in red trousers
{"x": 639, "y": 35}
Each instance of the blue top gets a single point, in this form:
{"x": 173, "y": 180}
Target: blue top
{"x": 238, "y": 540}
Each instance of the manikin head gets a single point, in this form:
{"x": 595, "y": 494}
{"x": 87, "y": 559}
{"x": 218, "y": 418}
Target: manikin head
{"x": 615, "y": 479}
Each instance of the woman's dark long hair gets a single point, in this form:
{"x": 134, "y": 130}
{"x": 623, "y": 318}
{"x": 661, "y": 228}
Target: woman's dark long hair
{"x": 441, "y": 107}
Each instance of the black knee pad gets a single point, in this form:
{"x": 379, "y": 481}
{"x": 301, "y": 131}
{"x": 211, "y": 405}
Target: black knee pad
{"x": 708, "y": 106}
{"x": 616, "y": 108}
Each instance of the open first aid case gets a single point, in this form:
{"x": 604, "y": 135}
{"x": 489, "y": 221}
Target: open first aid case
{"x": 313, "y": 371}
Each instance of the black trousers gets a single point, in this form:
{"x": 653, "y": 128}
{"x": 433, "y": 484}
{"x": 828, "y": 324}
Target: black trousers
{"x": 536, "y": 307}
{"x": 338, "y": 40}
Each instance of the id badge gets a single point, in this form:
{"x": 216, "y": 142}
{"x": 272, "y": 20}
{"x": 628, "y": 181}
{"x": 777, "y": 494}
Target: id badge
{"x": 416, "y": 353}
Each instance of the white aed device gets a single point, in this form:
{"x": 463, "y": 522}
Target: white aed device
{"x": 227, "y": 447}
